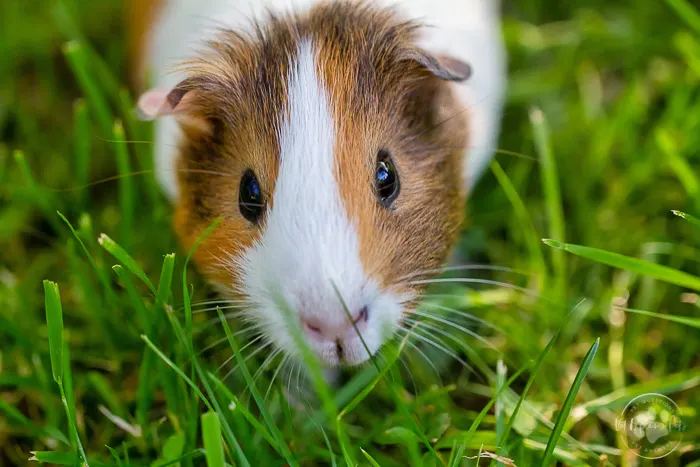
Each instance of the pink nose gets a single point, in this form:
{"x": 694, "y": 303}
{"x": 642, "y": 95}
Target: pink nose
{"x": 316, "y": 328}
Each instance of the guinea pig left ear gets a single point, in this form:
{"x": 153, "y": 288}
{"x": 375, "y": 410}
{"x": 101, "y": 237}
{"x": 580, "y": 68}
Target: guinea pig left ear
{"x": 159, "y": 102}
{"x": 444, "y": 67}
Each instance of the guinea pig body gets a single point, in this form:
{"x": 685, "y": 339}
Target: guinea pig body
{"x": 338, "y": 141}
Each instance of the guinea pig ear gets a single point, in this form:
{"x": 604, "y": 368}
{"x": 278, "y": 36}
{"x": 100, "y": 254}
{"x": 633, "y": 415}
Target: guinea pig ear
{"x": 442, "y": 66}
{"x": 158, "y": 102}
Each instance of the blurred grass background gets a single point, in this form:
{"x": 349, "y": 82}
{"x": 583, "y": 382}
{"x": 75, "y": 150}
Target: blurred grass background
{"x": 600, "y": 141}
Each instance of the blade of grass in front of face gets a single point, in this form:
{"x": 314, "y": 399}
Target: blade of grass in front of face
{"x": 569, "y": 403}
{"x": 524, "y": 220}
{"x": 692, "y": 219}
{"x": 54, "y": 322}
{"x": 639, "y": 266}
{"x": 79, "y": 62}
{"x": 81, "y": 149}
{"x": 211, "y": 437}
{"x": 123, "y": 257}
{"x": 552, "y": 195}
{"x": 307, "y": 356}
{"x": 687, "y": 12}
{"x": 126, "y": 185}
{"x": 243, "y": 368}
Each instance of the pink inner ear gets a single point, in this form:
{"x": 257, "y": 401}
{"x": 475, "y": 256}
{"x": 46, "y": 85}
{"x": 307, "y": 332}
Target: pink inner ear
{"x": 154, "y": 103}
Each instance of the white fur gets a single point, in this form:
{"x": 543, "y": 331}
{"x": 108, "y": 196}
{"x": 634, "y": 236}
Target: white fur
{"x": 466, "y": 29}
{"x": 309, "y": 243}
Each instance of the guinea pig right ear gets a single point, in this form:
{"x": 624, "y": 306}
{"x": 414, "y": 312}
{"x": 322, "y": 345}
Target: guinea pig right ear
{"x": 444, "y": 67}
{"x": 158, "y": 102}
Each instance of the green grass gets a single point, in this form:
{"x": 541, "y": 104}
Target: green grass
{"x": 113, "y": 351}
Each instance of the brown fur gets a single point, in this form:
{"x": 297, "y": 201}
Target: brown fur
{"x": 380, "y": 100}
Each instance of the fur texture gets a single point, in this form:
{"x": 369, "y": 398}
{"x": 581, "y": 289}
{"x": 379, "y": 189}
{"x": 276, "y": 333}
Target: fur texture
{"x": 307, "y": 100}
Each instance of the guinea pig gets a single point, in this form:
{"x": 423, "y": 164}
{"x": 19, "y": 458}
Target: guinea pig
{"x": 338, "y": 140}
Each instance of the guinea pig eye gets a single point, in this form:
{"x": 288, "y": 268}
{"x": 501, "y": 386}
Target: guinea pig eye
{"x": 386, "y": 179}
{"x": 250, "y": 197}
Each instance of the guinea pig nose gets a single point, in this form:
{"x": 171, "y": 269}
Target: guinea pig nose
{"x": 311, "y": 326}
{"x": 362, "y": 316}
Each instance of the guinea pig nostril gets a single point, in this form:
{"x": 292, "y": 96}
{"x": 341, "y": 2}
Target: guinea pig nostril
{"x": 363, "y": 316}
{"x": 312, "y": 328}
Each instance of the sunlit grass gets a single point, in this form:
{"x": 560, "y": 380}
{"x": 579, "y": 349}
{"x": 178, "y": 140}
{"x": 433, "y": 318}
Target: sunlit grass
{"x": 110, "y": 341}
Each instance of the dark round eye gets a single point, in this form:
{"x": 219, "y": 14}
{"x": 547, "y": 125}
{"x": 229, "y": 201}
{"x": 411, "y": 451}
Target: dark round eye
{"x": 250, "y": 197}
{"x": 386, "y": 178}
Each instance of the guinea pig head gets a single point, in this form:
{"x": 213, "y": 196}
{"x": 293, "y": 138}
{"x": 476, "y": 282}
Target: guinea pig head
{"x": 331, "y": 146}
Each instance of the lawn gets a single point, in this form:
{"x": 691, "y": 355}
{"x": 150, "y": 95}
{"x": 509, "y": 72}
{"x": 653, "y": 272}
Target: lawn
{"x": 112, "y": 348}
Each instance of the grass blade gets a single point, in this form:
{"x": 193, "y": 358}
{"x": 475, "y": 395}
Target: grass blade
{"x": 54, "y": 322}
{"x": 552, "y": 195}
{"x": 79, "y": 61}
{"x": 569, "y": 403}
{"x": 211, "y": 436}
{"x": 166, "y": 278}
{"x": 524, "y": 219}
{"x": 523, "y": 396}
{"x": 692, "y": 219}
{"x": 122, "y": 256}
{"x": 687, "y": 12}
{"x": 646, "y": 268}
{"x": 369, "y": 458}
{"x": 688, "y": 321}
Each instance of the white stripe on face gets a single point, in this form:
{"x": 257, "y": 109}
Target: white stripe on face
{"x": 308, "y": 243}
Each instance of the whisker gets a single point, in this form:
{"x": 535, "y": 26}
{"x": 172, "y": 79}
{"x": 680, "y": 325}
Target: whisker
{"x": 274, "y": 375}
{"x": 255, "y": 352}
{"x": 466, "y": 280}
{"x": 456, "y": 326}
{"x": 465, "y": 267}
{"x": 441, "y": 347}
{"x": 260, "y": 370}
{"x": 212, "y": 302}
{"x": 417, "y": 349}
{"x": 224, "y": 339}
{"x": 463, "y": 314}
{"x": 229, "y": 307}
{"x": 410, "y": 374}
